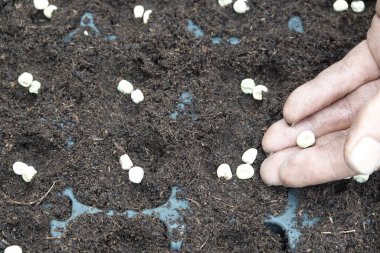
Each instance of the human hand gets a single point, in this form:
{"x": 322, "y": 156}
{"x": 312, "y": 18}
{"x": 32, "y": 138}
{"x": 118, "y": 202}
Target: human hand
{"x": 342, "y": 107}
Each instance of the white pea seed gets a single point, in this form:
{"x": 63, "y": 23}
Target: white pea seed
{"x": 361, "y": 178}
{"x": 241, "y": 6}
{"x": 28, "y": 174}
{"x": 85, "y": 33}
{"x": 305, "y": 139}
{"x": 125, "y": 87}
{"x": 35, "y": 87}
{"x": 137, "y": 96}
{"x": 146, "y": 16}
{"x": 138, "y": 11}
{"x": 48, "y": 11}
{"x": 40, "y": 4}
{"x": 125, "y": 162}
{"x": 357, "y": 6}
{"x": 136, "y": 174}
{"x": 340, "y": 5}
{"x": 19, "y": 167}
{"x": 224, "y": 171}
{"x": 258, "y": 92}
{"x": 247, "y": 85}
{"x": 224, "y": 3}
{"x": 25, "y": 79}
{"x": 245, "y": 171}
{"x": 249, "y": 156}
{"x": 13, "y": 249}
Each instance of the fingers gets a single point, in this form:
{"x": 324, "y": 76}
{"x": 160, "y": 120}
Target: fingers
{"x": 270, "y": 168}
{"x": 356, "y": 68}
{"x": 373, "y": 35}
{"x": 338, "y": 116}
{"x": 316, "y": 165}
{"x": 362, "y": 150}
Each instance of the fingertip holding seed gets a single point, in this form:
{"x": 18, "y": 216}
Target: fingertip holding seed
{"x": 125, "y": 87}
{"x": 136, "y": 174}
{"x": 13, "y": 249}
{"x": 258, "y": 90}
{"x": 224, "y": 171}
{"x": 25, "y": 79}
{"x": 361, "y": 178}
{"x": 137, "y": 96}
{"x": 249, "y": 156}
{"x": 49, "y": 11}
{"x": 125, "y": 162}
{"x": 247, "y": 85}
{"x": 340, "y": 5}
{"x": 357, "y": 6}
{"x": 146, "y": 16}
{"x": 241, "y": 6}
{"x": 245, "y": 171}
{"x": 41, "y": 4}
{"x": 138, "y": 11}
{"x": 305, "y": 139}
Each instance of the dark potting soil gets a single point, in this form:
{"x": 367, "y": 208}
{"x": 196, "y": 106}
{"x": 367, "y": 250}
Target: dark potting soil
{"x": 74, "y": 131}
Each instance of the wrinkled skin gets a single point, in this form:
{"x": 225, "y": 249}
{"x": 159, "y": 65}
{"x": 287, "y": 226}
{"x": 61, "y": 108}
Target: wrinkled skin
{"x": 342, "y": 107}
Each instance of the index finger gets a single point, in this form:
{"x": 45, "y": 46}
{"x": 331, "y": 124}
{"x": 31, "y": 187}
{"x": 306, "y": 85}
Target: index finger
{"x": 355, "y": 69}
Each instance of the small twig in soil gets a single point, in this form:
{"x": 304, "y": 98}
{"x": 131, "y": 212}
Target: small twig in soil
{"x": 5, "y": 242}
{"x": 222, "y": 202}
{"x": 195, "y": 202}
{"x": 37, "y": 202}
{"x": 191, "y": 182}
{"x": 347, "y": 231}
{"x": 196, "y": 44}
{"x": 118, "y": 147}
{"x": 339, "y": 233}
{"x": 274, "y": 239}
{"x": 201, "y": 247}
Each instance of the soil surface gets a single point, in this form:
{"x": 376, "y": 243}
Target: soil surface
{"x": 74, "y": 131}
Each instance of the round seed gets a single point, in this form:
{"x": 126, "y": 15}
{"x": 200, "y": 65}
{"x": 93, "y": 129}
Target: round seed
{"x": 249, "y": 156}
{"x": 35, "y": 87}
{"x": 40, "y": 4}
{"x": 138, "y": 11}
{"x": 305, "y": 139}
{"x": 357, "y": 6}
{"x": 25, "y": 79}
{"x": 136, "y": 174}
{"x": 137, "y": 96}
{"x": 19, "y": 167}
{"x": 361, "y": 178}
{"x": 258, "y": 90}
{"x": 224, "y": 3}
{"x": 340, "y": 5}
{"x": 28, "y": 174}
{"x": 224, "y": 171}
{"x": 245, "y": 171}
{"x": 125, "y": 87}
{"x": 241, "y": 6}
{"x": 13, "y": 249}
{"x": 125, "y": 162}
{"x": 48, "y": 11}
{"x": 247, "y": 85}
{"x": 146, "y": 16}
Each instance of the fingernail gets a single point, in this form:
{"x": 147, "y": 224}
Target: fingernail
{"x": 365, "y": 156}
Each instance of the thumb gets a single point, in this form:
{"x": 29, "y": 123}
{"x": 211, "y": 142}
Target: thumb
{"x": 362, "y": 149}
